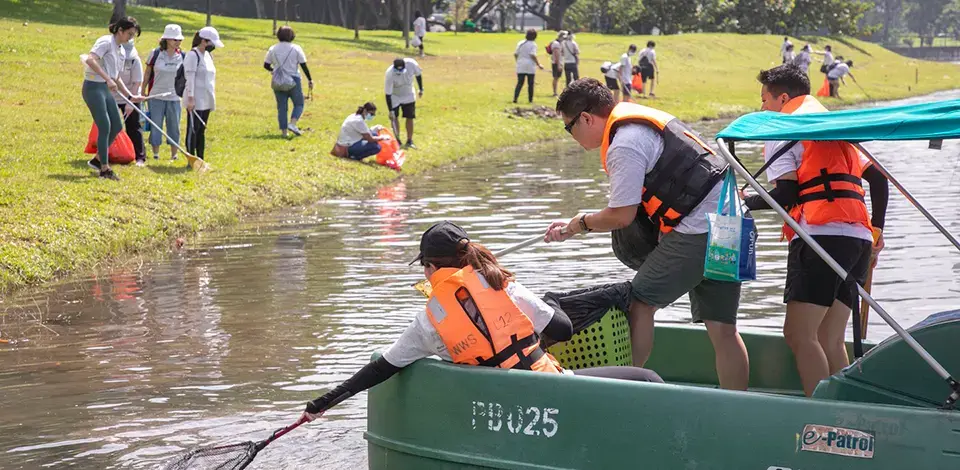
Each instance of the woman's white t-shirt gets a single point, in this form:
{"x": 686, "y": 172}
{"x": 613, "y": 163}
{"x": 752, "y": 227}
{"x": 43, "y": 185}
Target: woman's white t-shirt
{"x": 131, "y": 73}
{"x": 420, "y": 27}
{"x": 286, "y": 56}
{"x": 201, "y": 77}
{"x": 571, "y": 50}
{"x": 352, "y": 130}
{"x": 111, "y": 57}
{"x": 165, "y": 73}
{"x": 421, "y": 339}
{"x": 525, "y": 52}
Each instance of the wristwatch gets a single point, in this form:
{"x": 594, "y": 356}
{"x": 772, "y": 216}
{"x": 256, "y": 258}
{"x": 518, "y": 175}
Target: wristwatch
{"x": 583, "y": 224}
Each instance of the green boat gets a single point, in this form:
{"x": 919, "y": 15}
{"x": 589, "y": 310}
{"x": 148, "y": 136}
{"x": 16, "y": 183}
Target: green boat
{"x": 893, "y": 408}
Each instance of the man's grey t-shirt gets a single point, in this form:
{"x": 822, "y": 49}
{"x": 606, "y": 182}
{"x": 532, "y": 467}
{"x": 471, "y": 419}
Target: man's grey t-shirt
{"x": 632, "y": 154}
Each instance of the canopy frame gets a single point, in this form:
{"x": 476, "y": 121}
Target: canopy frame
{"x": 954, "y": 396}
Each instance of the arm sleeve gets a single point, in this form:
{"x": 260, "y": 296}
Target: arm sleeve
{"x": 389, "y": 103}
{"x": 560, "y": 327}
{"x": 190, "y": 64}
{"x": 306, "y": 71}
{"x": 267, "y": 66}
{"x": 879, "y": 195}
{"x": 786, "y": 193}
{"x": 369, "y": 376}
{"x": 137, "y": 73}
{"x": 420, "y": 82}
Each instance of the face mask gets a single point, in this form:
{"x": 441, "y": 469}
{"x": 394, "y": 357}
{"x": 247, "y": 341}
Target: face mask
{"x": 368, "y": 117}
{"x": 399, "y": 71}
{"x": 631, "y": 53}
{"x": 128, "y": 46}
{"x": 210, "y": 48}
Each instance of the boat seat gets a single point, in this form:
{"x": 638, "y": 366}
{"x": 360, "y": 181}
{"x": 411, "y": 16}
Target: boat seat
{"x": 892, "y": 373}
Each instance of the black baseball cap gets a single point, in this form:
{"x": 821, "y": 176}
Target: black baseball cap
{"x": 441, "y": 241}
{"x": 399, "y": 63}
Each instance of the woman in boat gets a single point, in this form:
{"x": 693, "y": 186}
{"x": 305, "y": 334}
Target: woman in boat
{"x": 477, "y": 314}
{"x": 820, "y": 184}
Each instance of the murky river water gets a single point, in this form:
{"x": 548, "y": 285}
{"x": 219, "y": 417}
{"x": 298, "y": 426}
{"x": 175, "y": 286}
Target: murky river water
{"x": 228, "y": 337}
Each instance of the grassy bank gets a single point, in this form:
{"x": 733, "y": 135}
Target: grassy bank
{"x": 56, "y": 218}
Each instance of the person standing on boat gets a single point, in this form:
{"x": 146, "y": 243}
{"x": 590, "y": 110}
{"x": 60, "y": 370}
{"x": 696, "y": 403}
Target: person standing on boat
{"x": 658, "y": 230}
{"x": 820, "y": 184}
{"x": 478, "y": 315}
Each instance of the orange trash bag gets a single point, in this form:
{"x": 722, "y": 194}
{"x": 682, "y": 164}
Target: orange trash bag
{"x": 825, "y": 89}
{"x": 637, "y": 83}
{"x": 391, "y": 155}
{"x": 120, "y": 152}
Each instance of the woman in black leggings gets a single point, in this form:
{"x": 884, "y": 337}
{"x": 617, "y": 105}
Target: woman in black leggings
{"x": 527, "y": 64}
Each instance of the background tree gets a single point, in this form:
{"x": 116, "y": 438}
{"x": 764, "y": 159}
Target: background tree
{"x": 119, "y": 10}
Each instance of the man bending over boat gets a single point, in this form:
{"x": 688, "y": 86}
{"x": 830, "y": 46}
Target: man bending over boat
{"x": 477, "y": 314}
{"x": 663, "y": 182}
{"x": 820, "y": 184}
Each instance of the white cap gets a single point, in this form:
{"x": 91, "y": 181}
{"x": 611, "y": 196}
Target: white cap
{"x": 172, "y": 31}
{"x": 210, "y": 34}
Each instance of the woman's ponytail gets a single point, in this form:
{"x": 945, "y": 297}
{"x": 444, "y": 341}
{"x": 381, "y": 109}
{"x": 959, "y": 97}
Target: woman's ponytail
{"x": 483, "y": 261}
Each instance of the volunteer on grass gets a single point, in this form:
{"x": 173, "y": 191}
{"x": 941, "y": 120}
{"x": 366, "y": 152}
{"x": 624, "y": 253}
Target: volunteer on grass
{"x": 162, "y": 65}
{"x": 131, "y": 75}
{"x": 527, "y": 64}
{"x": 282, "y": 59}
{"x": 101, "y": 79}
{"x": 659, "y": 230}
{"x": 398, "y": 86}
{"x": 200, "y": 92}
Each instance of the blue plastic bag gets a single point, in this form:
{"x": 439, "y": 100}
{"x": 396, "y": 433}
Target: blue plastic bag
{"x": 731, "y": 239}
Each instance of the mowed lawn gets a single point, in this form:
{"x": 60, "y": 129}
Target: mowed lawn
{"x": 57, "y": 218}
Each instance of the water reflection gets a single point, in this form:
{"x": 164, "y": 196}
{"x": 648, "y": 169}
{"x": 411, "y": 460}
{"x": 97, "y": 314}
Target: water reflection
{"x": 228, "y": 337}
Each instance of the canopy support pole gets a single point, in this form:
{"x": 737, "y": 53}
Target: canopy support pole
{"x": 910, "y": 197}
{"x": 907, "y": 337}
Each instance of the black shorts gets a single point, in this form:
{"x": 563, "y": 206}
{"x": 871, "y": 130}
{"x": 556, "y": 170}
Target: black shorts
{"x": 409, "y": 110}
{"x": 557, "y": 71}
{"x": 810, "y": 279}
{"x": 646, "y": 72}
{"x": 612, "y": 83}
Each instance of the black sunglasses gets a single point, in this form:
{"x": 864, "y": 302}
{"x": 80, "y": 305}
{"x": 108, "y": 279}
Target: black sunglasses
{"x": 573, "y": 122}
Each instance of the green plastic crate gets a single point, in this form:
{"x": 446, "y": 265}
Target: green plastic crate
{"x": 605, "y": 343}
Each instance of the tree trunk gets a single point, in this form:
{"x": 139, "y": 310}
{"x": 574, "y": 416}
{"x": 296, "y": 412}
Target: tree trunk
{"x": 276, "y": 14}
{"x": 209, "y": 11}
{"x": 405, "y": 18}
{"x": 286, "y": 13}
{"x": 343, "y": 14}
{"x": 119, "y": 10}
{"x": 258, "y": 4}
{"x": 356, "y": 19}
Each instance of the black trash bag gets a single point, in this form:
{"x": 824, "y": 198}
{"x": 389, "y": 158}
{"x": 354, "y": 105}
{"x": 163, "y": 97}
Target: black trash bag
{"x": 634, "y": 242}
{"x": 587, "y": 306}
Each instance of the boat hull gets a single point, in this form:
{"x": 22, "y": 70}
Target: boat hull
{"x": 436, "y": 415}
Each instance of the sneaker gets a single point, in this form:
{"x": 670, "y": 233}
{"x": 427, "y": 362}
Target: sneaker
{"x": 141, "y": 162}
{"x": 173, "y": 158}
{"x": 293, "y": 128}
{"x": 409, "y": 145}
{"x": 156, "y": 157}
{"x": 94, "y": 164}
{"x": 108, "y": 174}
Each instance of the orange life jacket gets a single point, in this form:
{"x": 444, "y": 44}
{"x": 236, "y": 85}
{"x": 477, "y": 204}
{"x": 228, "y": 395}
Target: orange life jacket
{"x": 829, "y": 177}
{"x": 481, "y": 326}
{"x": 683, "y": 176}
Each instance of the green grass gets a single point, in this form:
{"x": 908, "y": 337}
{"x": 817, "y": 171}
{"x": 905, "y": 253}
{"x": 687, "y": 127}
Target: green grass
{"x": 56, "y": 218}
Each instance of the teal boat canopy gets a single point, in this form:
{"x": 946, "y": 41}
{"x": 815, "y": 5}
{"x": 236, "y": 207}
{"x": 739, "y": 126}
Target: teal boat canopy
{"x": 928, "y": 121}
